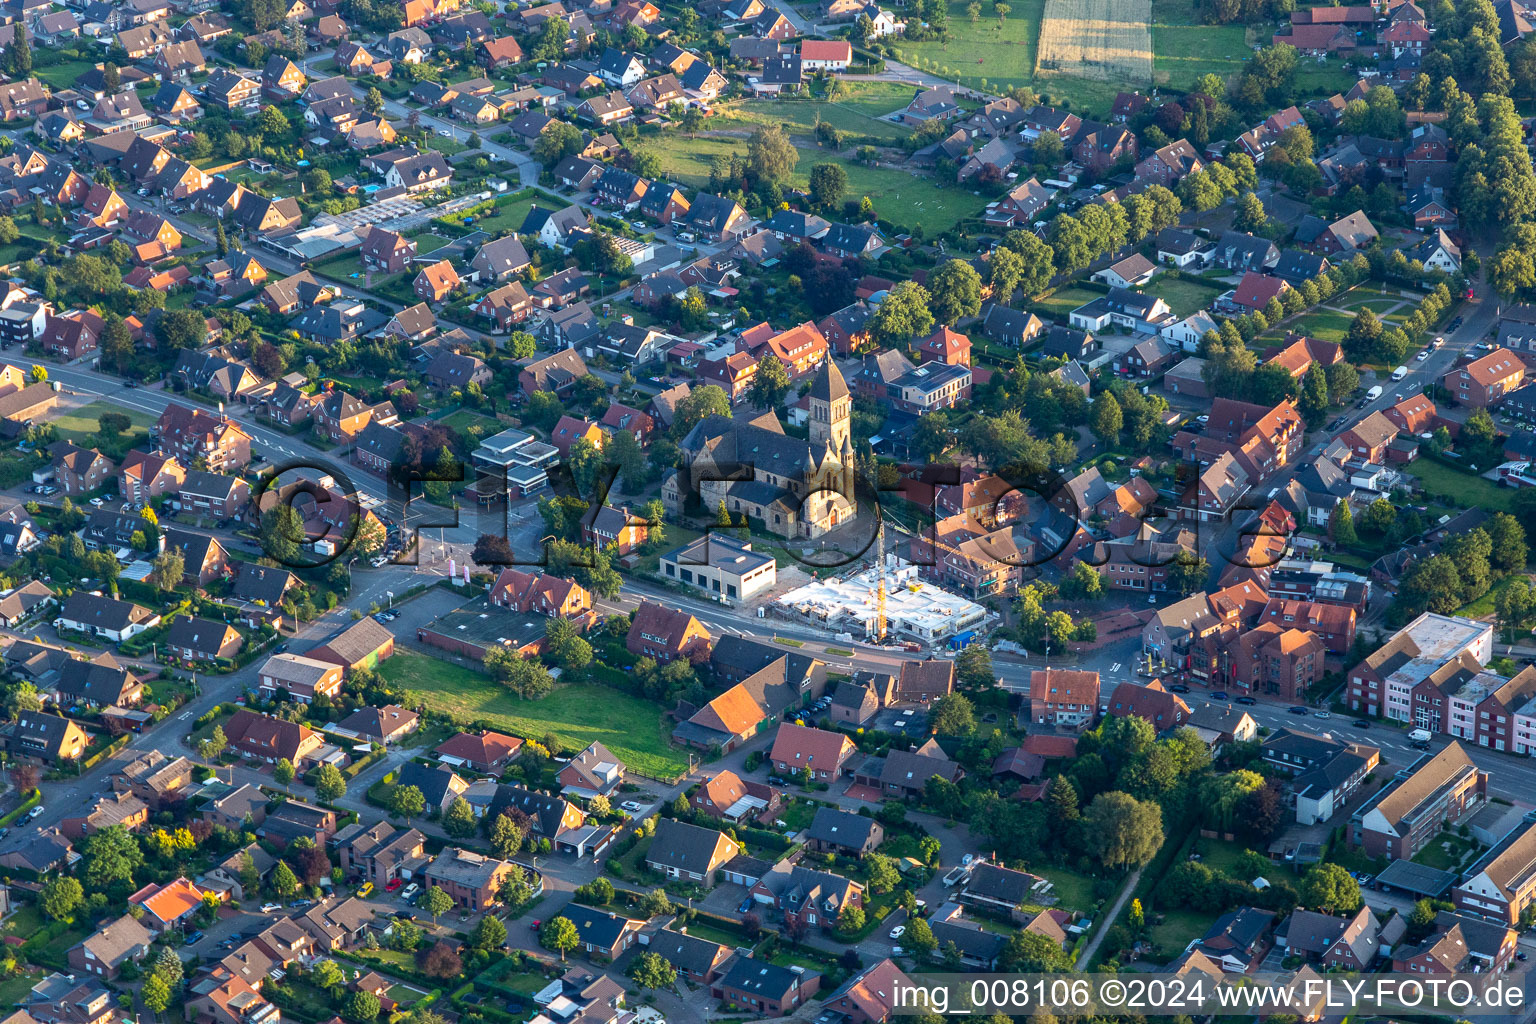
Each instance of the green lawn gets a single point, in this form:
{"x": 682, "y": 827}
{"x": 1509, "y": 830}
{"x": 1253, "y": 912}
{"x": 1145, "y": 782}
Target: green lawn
{"x": 1483, "y": 606}
{"x": 986, "y": 52}
{"x": 1459, "y": 488}
{"x": 857, "y": 111}
{"x": 1323, "y": 324}
{"x": 1222, "y": 856}
{"x": 1177, "y": 929}
{"x": 902, "y": 198}
{"x": 1434, "y": 854}
{"x": 1063, "y": 301}
{"x": 65, "y": 74}
{"x": 81, "y": 427}
{"x": 1182, "y": 53}
{"x": 577, "y": 713}
{"x": 1074, "y": 891}
{"x": 1185, "y": 295}
{"x": 14, "y": 990}
{"x": 463, "y": 419}
{"x": 508, "y": 216}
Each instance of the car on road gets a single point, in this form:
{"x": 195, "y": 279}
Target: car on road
{"x": 301, "y": 904}
{"x": 1246, "y": 700}
{"x": 36, "y": 812}
{"x": 1178, "y": 688}
{"x": 130, "y": 383}
{"x": 1455, "y": 323}
{"x": 192, "y": 939}
{"x": 1322, "y": 714}
{"x": 1296, "y": 709}
{"x": 533, "y": 926}
{"x": 632, "y": 805}
{"x": 97, "y": 502}
{"x": 1220, "y": 695}
{"x": 271, "y": 908}
{"x": 410, "y": 892}
{"x": 1359, "y": 723}
{"x": 446, "y": 133}
{"x": 898, "y": 931}
{"x": 1422, "y": 355}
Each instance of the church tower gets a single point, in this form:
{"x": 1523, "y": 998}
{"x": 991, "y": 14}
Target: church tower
{"x": 831, "y": 408}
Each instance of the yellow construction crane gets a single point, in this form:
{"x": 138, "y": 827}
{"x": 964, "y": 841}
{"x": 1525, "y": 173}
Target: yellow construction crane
{"x": 880, "y": 584}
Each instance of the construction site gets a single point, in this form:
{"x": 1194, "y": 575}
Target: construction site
{"x": 873, "y": 604}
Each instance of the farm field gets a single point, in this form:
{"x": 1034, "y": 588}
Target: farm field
{"x": 578, "y": 713}
{"x": 1107, "y": 40}
{"x": 898, "y": 196}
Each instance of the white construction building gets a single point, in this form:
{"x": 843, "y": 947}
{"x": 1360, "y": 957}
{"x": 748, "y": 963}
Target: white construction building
{"x": 913, "y": 608}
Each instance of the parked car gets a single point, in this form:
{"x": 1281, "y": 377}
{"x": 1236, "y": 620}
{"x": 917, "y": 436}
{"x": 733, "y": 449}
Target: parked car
{"x": 631, "y": 805}
{"x": 271, "y": 908}
{"x": 36, "y": 812}
{"x": 1220, "y": 695}
{"x": 1359, "y": 723}
{"x": 1246, "y": 700}
{"x": 898, "y": 931}
{"x": 1297, "y": 710}
{"x": 410, "y": 892}
{"x": 192, "y": 939}
{"x": 366, "y": 889}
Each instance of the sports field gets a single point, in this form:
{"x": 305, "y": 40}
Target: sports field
{"x": 1107, "y": 40}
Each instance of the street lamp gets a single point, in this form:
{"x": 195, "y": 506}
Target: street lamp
{"x": 391, "y": 594}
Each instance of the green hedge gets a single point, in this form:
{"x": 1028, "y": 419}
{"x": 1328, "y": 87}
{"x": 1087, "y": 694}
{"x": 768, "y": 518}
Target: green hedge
{"x": 26, "y": 805}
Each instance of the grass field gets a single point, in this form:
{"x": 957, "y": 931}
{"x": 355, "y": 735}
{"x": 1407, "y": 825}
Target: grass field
{"x": 1458, "y": 488}
{"x": 1185, "y": 295}
{"x": 1183, "y": 49}
{"x": 1063, "y": 301}
{"x": 1323, "y": 324}
{"x": 857, "y": 111}
{"x": 898, "y": 196}
{"x": 1107, "y": 40}
{"x": 577, "y": 713}
{"x": 462, "y": 419}
{"x": 1178, "y": 929}
{"x": 508, "y": 216}
{"x": 64, "y": 75}
{"x": 81, "y": 427}
{"x": 998, "y": 54}
{"x": 1075, "y": 891}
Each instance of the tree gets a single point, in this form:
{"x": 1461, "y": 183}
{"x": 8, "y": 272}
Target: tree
{"x": 770, "y": 154}
{"x": 903, "y": 315}
{"x": 156, "y": 995}
{"x": 60, "y": 896}
{"x": 282, "y": 531}
{"x": 932, "y": 435}
{"x": 1033, "y": 953}
{"x": 1514, "y": 604}
{"x": 954, "y": 291}
{"x": 167, "y": 570}
{"x": 363, "y": 1007}
{"x": 652, "y": 971}
{"x": 436, "y": 902}
{"x": 883, "y": 876}
{"x": 211, "y": 748}
{"x": 919, "y": 938}
{"x": 953, "y": 715}
{"x": 284, "y": 882}
{"x": 559, "y": 935}
{"x": 1509, "y": 551}
{"x": 490, "y": 934}
{"x": 1122, "y": 831}
{"x": 1341, "y": 524}
{"x": 506, "y": 838}
{"x": 829, "y": 183}
{"x": 1083, "y": 583}
{"x": 20, "y": 53}
{"x": 168, "y": 968}
{"x": 407, "y": 802}
{"x": 112, "y": 855}
{"x": 1379, "y": 516}
{"x": 330, "y": 785}
{"x": 459, "y": 819}
{"x": 1036, "y": 257}
{"x": 973, "y": 667}
{"x": 1250, "y": 214}
{"x": 700, "y": 403}
{"x": 769, "y": 384}
{"x": 558, "y": 140}
{"x": 1108, "y": 420}
{"x": 327, "y": 976}
{"x": 282, "y": 772}
{"x": 1329, "y": 889}
{"x": 850, "y": 919}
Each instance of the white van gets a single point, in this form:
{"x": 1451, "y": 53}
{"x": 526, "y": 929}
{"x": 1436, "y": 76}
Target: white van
{"x": 1400, "y": 373}
{"x": 1373, "y": 394}
{"x": 1419, "y": 735}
